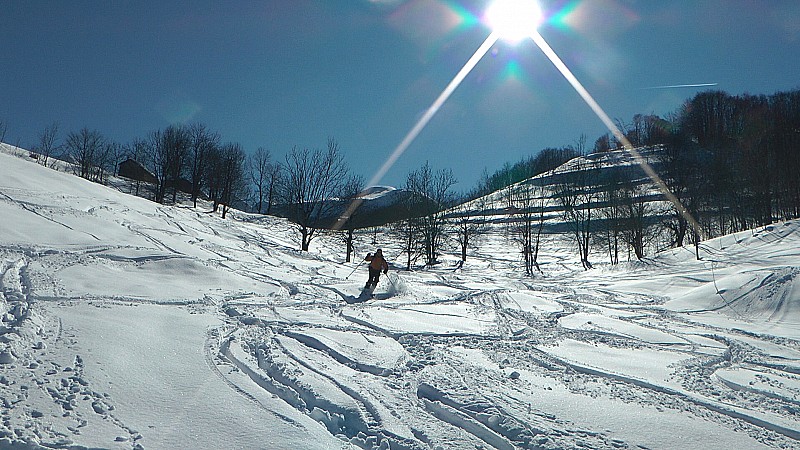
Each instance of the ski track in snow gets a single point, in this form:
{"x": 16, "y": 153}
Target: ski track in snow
{"x": 478, "y": 357}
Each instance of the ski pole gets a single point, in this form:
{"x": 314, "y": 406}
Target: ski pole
{"x": 354, "y": 270}
{"x": 390, "y": 281}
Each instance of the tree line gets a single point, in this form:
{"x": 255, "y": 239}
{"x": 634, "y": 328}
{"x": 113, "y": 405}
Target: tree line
{"x": 309, "y": 187}
{"x": 194, "y": 159}
{"x": 734, "y": 161}
{"x": 189, "y": 158}
{"x": 731, "y": 162}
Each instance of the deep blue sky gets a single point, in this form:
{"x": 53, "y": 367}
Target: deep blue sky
{"x": 284, "y": 73}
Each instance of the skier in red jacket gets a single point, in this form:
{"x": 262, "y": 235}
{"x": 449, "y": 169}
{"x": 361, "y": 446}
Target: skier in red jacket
{"x": 377, "y": 263}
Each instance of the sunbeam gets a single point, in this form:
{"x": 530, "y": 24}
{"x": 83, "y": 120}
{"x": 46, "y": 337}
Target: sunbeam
{"x": 421, "y": 123}
{"x": 434, "y": 108}
{"x": 514, "y": 20}
{"x": 601, "y": 114}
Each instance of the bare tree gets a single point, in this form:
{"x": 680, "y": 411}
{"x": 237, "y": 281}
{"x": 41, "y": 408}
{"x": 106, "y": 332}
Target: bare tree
{"x": 115, "y": 155}
{"x": 3, "y": 129}
{"x": 177, "y": 146}
{"x": 602, "y": 144}
{"x": 469, "y": 219}
{"x": 158, "y": 163}
{"x": 683, "y": 173}
{"x": 232, "y": 171}
{"x": 201, "y": 143}
{"x": 86, "y": 150}
{"x": 213, "y": 179}
{"x": 313, "y": 178}
{"x": 260, "y": 165}
{"x": 168, "y": 151}
{"x": 609, "y": 196}
{"x": 350, "y": 191}
{"x": 526, "y": 202}
{"x": 274, "y": 184}
{"x": 409, "y": 229}
{"x": 137, "y": 151}
{"x": 155, "y": 155}
{"x": 636, "y": 213}
{"x": 577, "y": 197}
{"x": 644, "y": 130}
{"x": 580, "y": 145}
{"x": 435, "y": 188}
{"x": 47, "y": 146}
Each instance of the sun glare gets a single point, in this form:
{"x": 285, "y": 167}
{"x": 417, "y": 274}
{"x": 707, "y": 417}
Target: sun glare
{"x": 513, "y": 20}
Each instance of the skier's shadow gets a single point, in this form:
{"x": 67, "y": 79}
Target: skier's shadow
{"x": 352, "y": 299}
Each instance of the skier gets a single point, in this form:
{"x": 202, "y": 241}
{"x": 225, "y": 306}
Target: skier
{"x": 377, "y": 263}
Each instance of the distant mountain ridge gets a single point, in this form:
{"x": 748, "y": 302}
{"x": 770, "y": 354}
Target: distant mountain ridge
{"x": 376, "y": 206}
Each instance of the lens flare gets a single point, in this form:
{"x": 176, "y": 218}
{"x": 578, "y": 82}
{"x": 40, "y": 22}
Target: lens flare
{"x": 513, "y": 20}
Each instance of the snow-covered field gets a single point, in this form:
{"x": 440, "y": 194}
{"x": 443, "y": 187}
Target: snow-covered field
{"x": 127, "y": 324}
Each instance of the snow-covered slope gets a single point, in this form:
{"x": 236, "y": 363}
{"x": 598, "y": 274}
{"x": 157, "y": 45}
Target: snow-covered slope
{"x": 128, "y": 324}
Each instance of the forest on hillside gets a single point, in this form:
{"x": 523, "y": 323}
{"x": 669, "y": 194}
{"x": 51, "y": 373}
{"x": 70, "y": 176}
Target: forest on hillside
{"x": 723, "y": 163}
{"x": 747, "y": 147}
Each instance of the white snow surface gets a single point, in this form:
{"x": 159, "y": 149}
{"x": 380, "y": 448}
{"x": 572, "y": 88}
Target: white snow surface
{"x": 132, "y": 325}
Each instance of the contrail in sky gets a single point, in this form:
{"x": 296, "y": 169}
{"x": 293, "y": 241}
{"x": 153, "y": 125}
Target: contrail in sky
{"x": 579, "y": 88}
{"x": 601, "y": 114}
{"x": 677, "y": 86}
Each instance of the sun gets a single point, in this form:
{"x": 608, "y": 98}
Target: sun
{"x": 513, "y": 20}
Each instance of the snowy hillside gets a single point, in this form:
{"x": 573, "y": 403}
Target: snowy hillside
{"x": 618, "y": 164}
{"x": 128, "y": 324}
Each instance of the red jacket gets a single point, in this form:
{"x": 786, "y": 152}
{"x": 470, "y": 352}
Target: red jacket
{"x": 377, "y": 262}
